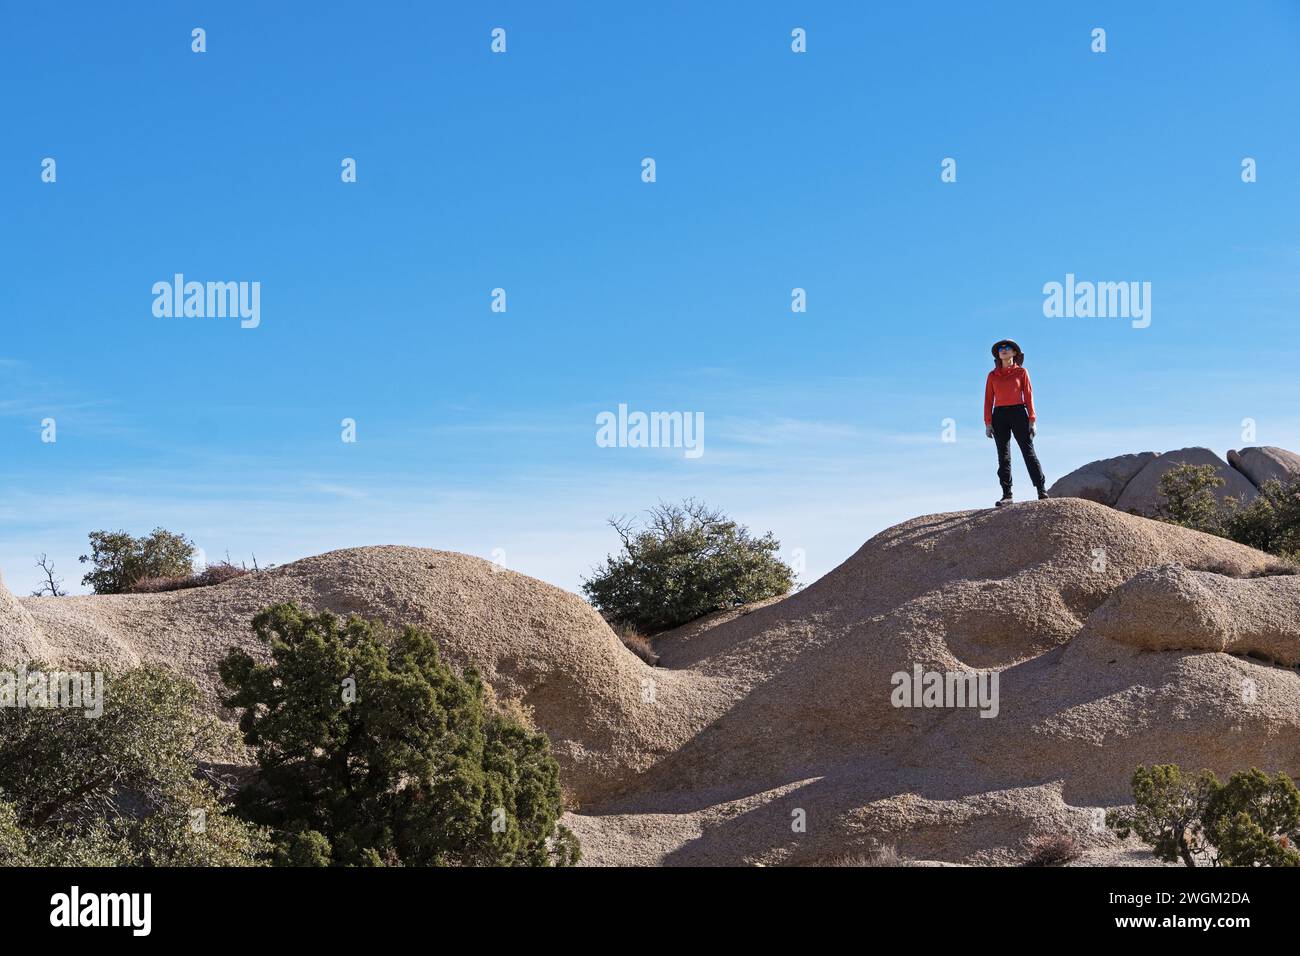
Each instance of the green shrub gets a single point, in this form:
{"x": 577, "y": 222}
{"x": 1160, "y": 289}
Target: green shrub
{"x": 304, "y": 848}
{"x": 119, "y": 561}
{"x": 1270, "y": 522}
{"x": 688, "y": 561}
{"x": 1252, "y": 820}
{"x": 119, "y": 789}
{"x": 372, "y": 751}
{"x": 1167, "y": 812}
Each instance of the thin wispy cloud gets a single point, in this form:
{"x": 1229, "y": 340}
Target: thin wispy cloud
{"x": 340, "y": 491}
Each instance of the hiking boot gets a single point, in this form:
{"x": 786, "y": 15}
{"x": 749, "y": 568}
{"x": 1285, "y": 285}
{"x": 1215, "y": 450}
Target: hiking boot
{"x": 1042, "y": 493}
{"x": 1004, "y": 500}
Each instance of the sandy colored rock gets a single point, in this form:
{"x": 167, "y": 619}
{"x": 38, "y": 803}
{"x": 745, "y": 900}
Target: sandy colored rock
{"x": 1142, "y": 493}
{"x": 1172, "y": 608}
{"x": 1102, "y": 481}
{"x": 19, "y": 638}
{"x": 1116, "y": 640}
{"x": 1266, "y": 463}
{"x": 1078, "y": 710}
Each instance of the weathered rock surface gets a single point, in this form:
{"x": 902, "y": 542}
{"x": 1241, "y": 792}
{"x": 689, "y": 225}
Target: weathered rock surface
{"x": 19, "y": 637}
{"x": 1142, "y": 493}
{"x": 1171, "y": 608}
{"x": 1102, "y": 481}
{"x": 1266, "y": 463}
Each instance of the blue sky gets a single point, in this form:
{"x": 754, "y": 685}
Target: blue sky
{"x": 775, "y": 170}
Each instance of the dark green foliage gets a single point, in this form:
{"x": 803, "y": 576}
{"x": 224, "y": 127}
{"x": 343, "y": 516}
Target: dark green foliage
{"x": 1252, "y": 820}
{"x": 119, "y": 561}
{"x": 689, "y": 561}
{"x": 305, "y": 848}
{"x": 1167, "y": 812}
{"x": 373, "y": 752}
{"x": 119, "y": 789}
{"x": 1271, "y": 522}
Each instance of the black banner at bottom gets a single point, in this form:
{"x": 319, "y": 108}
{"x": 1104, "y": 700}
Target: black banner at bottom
{"x": 335, "y": 905}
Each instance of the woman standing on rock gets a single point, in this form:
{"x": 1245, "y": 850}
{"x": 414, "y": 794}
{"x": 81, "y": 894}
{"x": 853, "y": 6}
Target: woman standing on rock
{"x": 1009, "y": 410}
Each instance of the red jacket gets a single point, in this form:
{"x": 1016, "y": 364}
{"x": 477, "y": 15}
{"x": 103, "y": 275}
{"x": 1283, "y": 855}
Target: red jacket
{"x": 1008, "y": 386}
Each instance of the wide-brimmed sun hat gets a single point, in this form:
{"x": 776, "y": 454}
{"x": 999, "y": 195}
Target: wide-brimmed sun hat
{"x": 1020, "y": 356}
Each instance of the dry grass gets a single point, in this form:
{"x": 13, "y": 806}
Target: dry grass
{"x": 877, "y": 856}
{"x": 519, "y": 712}
{"x": 1281, "y": 568}
{"x": 572, "y": 802}
{"x": 218, "y": 573}
{"x": 637, "y": 643}
{"x": 1051, "y": 850}
{"x": 1276, "y": 567}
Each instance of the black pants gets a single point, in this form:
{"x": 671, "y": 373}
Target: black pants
{"x": 1009, "y": 420}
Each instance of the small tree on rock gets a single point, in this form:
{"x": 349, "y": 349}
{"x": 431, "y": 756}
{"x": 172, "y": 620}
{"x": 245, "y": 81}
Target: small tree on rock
{"x": 689, "y": 560}
{"x": 1167, "y": 812}
{"x": 120, "y": 560}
